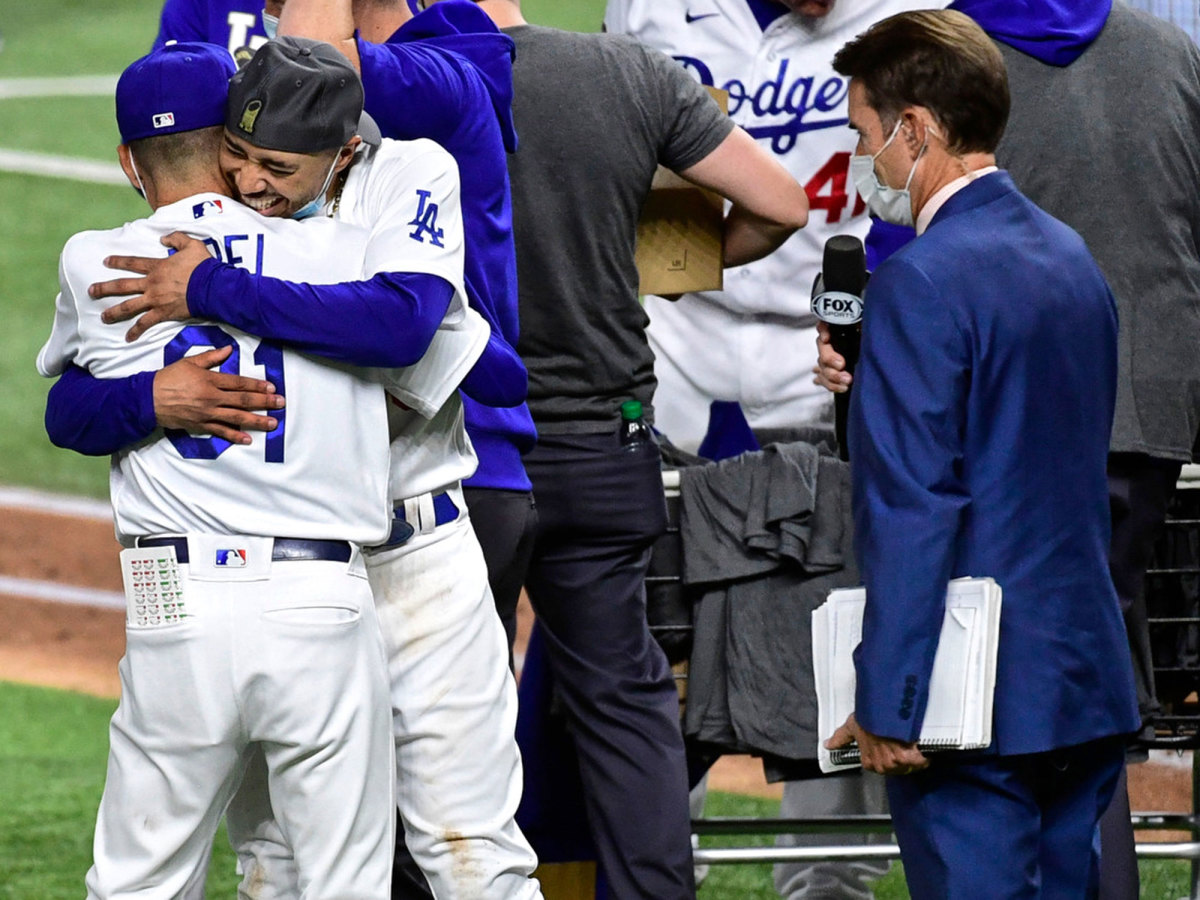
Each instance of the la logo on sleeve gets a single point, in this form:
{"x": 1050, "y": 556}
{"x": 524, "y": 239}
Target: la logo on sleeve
{"x": 425, "y": 221}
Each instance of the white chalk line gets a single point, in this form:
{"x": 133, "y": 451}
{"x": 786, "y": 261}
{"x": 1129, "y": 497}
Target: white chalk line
{"x": 55, "y": 592}
{"x": 56, "y": 504}
{"x": 49, "y": 165}
{"x": 62, "y": 505}
{"x": 75, "y": 168}
{"x": 66, "y": 86}
{"x": 26, "y": 163}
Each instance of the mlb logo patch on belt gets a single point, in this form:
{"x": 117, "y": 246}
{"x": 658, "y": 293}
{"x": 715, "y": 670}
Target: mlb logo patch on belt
{"x": 230, "y": 559}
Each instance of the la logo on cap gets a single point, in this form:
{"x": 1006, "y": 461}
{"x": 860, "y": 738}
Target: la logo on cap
{"x": 164, "y": 120}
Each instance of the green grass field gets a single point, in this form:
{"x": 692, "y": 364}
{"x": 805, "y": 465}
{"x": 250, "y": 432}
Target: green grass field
{"x": 52, "y": 757}
{"x": 53, "y": 746}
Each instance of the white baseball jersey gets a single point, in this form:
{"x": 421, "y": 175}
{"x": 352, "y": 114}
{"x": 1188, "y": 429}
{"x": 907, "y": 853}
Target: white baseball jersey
{"x": 406, "y": 193}
{"x": 754, "y": 342}
{"x": 457, "y": 760}
{"x": 321, "y": 474}
{"x": 784, "y": 92}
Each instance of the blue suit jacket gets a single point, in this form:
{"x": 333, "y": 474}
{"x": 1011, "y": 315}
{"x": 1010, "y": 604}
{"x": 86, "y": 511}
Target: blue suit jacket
{"x": 979, "y": 430}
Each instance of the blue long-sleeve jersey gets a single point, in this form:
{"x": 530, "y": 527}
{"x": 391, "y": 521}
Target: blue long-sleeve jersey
{"x": 453, "y": 52}
{"x": 387, "y": 321}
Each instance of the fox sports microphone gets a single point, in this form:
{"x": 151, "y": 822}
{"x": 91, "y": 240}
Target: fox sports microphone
{"x": 837, "y": 301}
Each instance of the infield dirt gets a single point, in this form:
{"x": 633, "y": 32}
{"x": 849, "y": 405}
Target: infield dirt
{"x": 77, "y": 647}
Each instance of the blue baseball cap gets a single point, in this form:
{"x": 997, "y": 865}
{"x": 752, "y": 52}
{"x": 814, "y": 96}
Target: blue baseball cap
{"x": 178, "y": 87}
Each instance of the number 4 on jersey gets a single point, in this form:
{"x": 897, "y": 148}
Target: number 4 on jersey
{"x": 827, "y": 189}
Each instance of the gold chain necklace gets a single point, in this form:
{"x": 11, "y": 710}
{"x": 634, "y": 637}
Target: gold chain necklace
{"x": 337, "y": 196}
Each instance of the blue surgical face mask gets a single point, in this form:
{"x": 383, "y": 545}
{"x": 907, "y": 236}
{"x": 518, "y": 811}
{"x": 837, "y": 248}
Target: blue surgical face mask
{"x": 317, "y": 203}
{"x": 888, "y": 203}
{"x": 270, "y": 25}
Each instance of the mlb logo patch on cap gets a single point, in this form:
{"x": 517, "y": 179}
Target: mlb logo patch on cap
{"x": 231, "y": 559}
{"x": 178, "y": 87}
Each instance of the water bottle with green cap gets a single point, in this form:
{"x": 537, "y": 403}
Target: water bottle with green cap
{"x": 634, "y": 429}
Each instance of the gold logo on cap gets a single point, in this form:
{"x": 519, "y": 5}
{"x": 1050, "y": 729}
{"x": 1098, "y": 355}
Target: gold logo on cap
{"x": 249, "y": 115}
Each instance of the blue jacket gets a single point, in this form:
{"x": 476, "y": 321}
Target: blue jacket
{"x": 230, "y": 23}
{"x": 979, "y": 430}
{"x": 454, "y": 59}
{"x": 1056, "y": 32}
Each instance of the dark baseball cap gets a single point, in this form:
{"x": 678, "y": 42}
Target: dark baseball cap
{"x": 178, "y": 87}
{"x": 299, "y": 96}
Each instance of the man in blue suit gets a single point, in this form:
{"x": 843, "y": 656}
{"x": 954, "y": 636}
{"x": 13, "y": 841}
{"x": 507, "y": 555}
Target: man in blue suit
{"x": 968, "y": 461}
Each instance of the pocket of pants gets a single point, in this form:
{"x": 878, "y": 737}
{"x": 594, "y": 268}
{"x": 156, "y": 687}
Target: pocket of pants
{"x": 313, "y": 616}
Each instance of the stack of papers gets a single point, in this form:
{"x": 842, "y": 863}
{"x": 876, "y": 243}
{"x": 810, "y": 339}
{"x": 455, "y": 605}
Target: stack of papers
{"x": 961, "y": 686}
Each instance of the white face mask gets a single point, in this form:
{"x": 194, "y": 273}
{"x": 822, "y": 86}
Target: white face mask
{"x": 888, "y": 203}
{"x": 141, "y": 188}
{"x": 317, "y": 203}
{"x": 270, "y": 25}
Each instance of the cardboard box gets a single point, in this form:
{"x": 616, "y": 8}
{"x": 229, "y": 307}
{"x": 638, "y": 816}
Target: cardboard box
{"x": 680, "y": 235}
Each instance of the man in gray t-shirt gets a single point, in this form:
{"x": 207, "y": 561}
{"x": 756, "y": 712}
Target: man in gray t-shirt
{"x": 596, "y": 114}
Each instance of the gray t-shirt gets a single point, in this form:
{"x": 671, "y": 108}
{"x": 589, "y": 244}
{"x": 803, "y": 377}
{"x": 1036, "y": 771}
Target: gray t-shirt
{"x": 595, "y": 115}
{"x": 1111, "y": 145}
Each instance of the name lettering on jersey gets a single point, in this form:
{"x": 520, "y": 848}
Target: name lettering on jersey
{"x": 200, "y": 210}
{"x": 812, "y": 105}
{"x": 231, "y": 250}
{"x": 231, "y": 559}
{"x": 425, "y": 221}
{"x": 163, "y": 120}
{"x": 240, "y": 24}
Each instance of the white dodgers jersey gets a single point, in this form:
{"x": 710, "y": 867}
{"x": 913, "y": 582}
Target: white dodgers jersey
{"x": 406, "y": 193}
{"x": 784, "y": 92}
{"x": 322, "y": 473}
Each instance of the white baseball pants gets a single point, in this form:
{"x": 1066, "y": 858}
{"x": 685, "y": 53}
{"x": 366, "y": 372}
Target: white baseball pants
{"x": 290, "y": 665}
{"x": 703, "y": 352}
{"x": 454, "y": 708}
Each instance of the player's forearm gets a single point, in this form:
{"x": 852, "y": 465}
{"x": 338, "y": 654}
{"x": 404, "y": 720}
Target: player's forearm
{"x": 331, "y": 21}
{"x": 499, "y": 377}
{"x": 98, "y": 417}
{"x": 768, "y": 203}
{"x": 387, "y": 321}
{"x": 749, "y": 237}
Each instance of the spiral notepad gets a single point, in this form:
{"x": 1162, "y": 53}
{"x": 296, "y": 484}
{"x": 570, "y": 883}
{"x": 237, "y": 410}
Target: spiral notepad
{"x": 958, "y": 714}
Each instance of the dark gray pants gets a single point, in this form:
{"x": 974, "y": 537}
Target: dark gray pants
{"x": 600, "y": 507}
{"x": 506, "y": 524}
{"x": 1139, "y": 489}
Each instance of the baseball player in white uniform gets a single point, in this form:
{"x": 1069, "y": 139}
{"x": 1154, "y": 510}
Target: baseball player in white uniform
{"x": 249, "y": 621}
{"x": 453, "y": 695}
{"x": 754, "y": 342}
